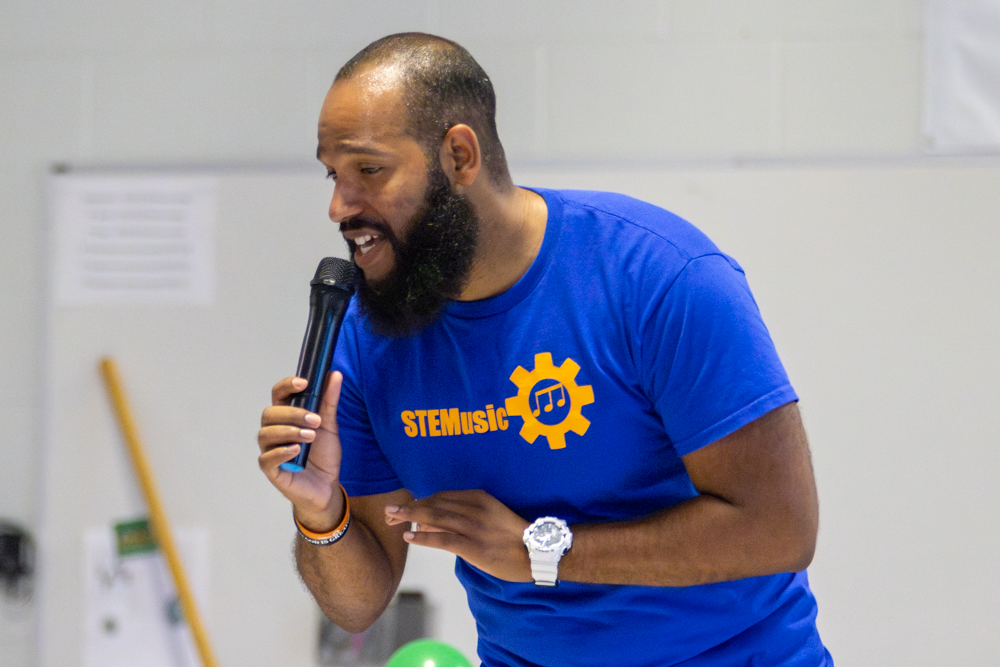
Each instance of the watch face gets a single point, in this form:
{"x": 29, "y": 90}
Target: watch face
{"x": 547, "y": 536}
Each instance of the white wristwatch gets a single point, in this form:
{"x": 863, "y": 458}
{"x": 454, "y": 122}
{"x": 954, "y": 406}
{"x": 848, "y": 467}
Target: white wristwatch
{"x": 547, "y": 540}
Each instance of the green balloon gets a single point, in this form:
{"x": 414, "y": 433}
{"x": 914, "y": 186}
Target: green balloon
{"x": 427, "y": 653}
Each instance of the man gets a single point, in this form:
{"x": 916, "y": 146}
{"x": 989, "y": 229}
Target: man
{"x": 526, "y": 359}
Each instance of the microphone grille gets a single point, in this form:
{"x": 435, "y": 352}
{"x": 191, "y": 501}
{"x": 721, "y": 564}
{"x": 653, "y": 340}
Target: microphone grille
{"x": 335, "y": 271}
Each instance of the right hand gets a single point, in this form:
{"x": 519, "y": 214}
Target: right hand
{"x": 315, "y": 492}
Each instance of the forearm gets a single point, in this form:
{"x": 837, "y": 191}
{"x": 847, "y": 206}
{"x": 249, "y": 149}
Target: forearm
{"x": 757, "y": 514}
{"x": 703, "y": 540}
{"x": 354, "y": 577}
{"x": 352, "y": 581}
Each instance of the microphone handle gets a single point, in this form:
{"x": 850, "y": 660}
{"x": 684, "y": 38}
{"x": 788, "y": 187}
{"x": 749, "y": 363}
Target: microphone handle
{"x": 325, "y": 317}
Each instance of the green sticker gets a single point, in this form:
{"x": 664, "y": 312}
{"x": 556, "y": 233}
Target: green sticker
{"x": 134, "y": 537}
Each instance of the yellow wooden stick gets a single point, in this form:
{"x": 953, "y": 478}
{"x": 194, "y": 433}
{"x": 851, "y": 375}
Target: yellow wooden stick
{"x": 157, "y": 515}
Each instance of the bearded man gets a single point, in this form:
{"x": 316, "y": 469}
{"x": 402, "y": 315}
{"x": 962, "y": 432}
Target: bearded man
{"x": 573, "y": 392}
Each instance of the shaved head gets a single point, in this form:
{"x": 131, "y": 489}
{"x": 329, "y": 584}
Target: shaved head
{"x": 441, "y": 86}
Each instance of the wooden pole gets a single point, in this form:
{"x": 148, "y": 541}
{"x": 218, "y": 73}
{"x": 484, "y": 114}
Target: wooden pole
{"x": 157, "y": 515}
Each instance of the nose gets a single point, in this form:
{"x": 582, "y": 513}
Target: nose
{"x": 344, "y": 203}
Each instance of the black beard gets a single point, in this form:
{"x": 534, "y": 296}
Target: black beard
{"x": 431, "y": 265}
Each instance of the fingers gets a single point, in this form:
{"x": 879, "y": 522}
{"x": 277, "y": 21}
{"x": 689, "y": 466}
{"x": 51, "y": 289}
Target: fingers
{"x": 270, "y": 460}
{"x": 283, "y": 434}
{"x": 282, "y": 427}
{"x": 281, "y": 413}
{"x": 421, "y": 534}
{"x": 313, "y": 490}
{"x": 470, "y": 524}
{"x": 285, "y": 388}
{"x": 456, "y": 544}
{"x": 282, "y": 424}
{"x": 461, "y": 512}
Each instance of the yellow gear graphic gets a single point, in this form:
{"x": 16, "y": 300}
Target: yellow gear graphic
{"x": 565, "y": 375}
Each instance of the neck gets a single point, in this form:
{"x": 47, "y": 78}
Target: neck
{"x": 511, "y": 229}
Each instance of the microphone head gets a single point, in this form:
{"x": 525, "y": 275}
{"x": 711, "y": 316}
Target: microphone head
{"x": 335, "y": 272}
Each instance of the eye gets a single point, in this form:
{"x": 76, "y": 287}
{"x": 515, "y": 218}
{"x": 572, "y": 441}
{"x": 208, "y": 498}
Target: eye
{"x": 370, "y": 170}
{"x": 332, "y": 175}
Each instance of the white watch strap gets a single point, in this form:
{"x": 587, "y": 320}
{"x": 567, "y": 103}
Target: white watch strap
{"x": 544, "y": 572}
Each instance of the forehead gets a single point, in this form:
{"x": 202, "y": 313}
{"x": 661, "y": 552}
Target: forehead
{"x": 363, "y": 114}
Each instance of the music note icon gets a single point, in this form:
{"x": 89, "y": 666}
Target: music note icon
{"x": 548, "y": 393}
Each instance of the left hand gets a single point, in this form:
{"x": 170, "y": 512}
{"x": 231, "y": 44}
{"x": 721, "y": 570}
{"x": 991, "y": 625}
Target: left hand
{"x": 471, "y": 524}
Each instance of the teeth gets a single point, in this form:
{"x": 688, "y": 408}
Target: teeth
{"x": 366, "y": 242}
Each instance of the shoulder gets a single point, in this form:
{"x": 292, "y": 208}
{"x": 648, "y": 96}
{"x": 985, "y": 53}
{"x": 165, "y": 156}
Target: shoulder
{"x": 646, "y": 245}
{"x": 626, "y": 221}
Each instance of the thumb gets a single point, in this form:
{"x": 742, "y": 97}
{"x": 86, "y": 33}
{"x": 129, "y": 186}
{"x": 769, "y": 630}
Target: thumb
{"x": 330, "y": 401}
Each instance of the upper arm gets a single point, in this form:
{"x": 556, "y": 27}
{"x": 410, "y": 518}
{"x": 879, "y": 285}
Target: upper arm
{"x": 707, "y": 359}
{"x": 764, "y": 470}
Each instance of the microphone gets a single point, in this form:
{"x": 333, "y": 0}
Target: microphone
{"x": 331, "y": 291}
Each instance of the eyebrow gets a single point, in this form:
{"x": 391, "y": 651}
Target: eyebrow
{"x": 354, "y": 150}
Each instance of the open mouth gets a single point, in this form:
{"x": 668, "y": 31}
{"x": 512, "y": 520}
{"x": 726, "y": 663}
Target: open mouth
{"x": 366, "y": 242}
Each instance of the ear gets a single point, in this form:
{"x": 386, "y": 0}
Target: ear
{"x": 461, "y": 159}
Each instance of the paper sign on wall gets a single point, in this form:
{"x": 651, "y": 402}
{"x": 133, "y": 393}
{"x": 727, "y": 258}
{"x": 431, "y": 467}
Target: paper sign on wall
{"x": 962, "y": 77}
{"x": 131, "y": 615}
{"x": 133, "y": 239}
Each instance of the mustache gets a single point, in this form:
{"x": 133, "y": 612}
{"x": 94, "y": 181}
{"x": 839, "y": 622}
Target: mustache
{"x": 360, "y": 222}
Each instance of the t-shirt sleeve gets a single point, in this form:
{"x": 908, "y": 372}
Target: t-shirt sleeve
{"x": 364, "y": 470}
{"x": 709, "y": 363}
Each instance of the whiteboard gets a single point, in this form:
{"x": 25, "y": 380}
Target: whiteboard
{"x": 878, "y": 283}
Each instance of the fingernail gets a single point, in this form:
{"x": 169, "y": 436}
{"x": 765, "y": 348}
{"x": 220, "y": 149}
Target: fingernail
{"x": 313, "y": 420}
{"x": 391, "y": 509}
{"x": 408, "y": 536}
{"x": 307, "y": 433}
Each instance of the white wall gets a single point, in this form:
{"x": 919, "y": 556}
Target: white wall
{"x": 237, "y": 81}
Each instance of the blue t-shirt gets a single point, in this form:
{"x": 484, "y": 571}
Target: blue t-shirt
{"x": 629, "y": 342}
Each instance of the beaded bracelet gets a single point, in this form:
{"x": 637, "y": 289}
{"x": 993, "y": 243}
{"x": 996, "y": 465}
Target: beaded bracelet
{"x": 323, "y": 539}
